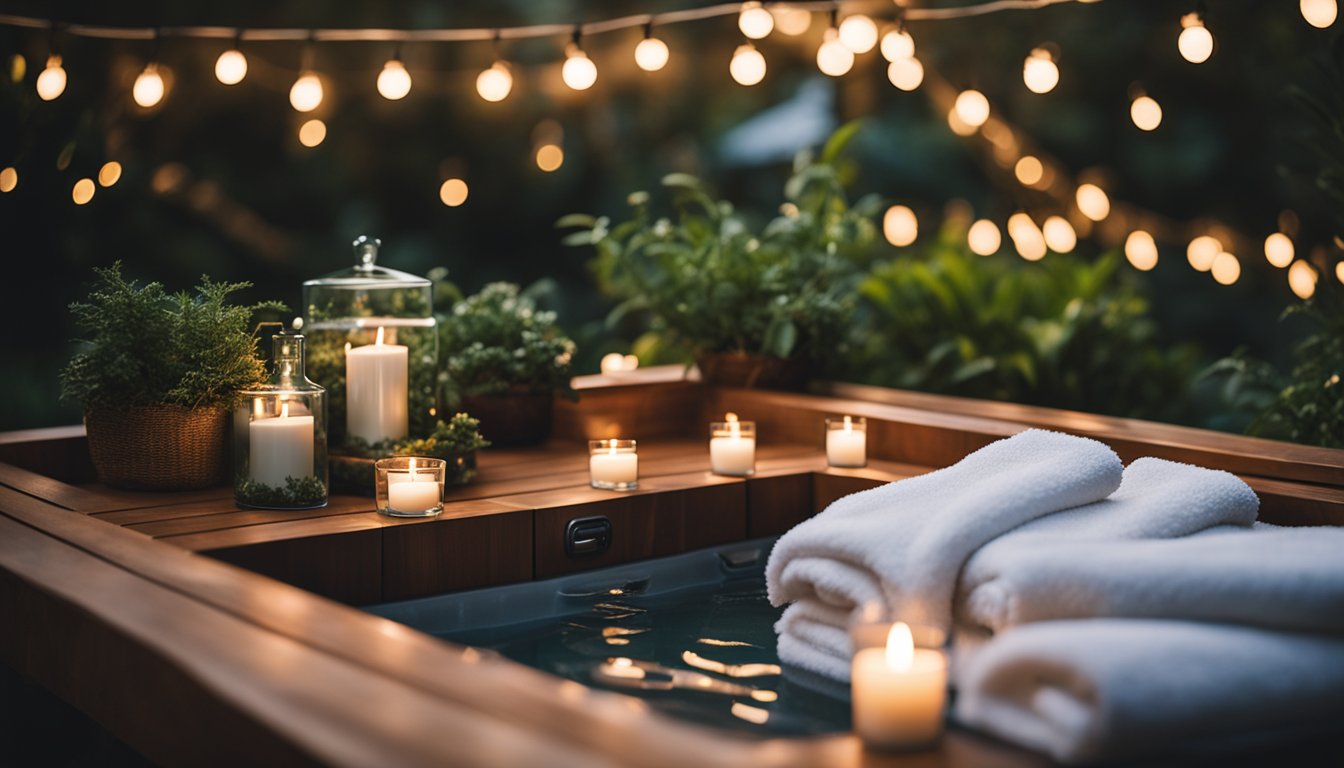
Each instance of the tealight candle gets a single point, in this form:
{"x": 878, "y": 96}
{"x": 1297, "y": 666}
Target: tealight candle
{"x": 732, "y": 446}
{"x": 376, "y": 399}
{"x": 847, "y": 442}
{"x": 613, "y": 464}
{"x": 898, "y": 691}
{"x": 410, "y": 487}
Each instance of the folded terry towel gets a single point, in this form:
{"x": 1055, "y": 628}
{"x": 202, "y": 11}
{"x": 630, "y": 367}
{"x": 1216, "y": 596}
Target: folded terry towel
{"x": 1105, "y": 559}
{"x": 1117, "y": 688}
{"x": 905, "y": 542}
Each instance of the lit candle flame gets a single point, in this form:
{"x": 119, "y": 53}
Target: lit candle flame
{"x": 611, "y": 446}
{"x": 284, "y": 409}
{"x": 258, "y": 407}
{"x": 734, "y": 428}
{"x": 379, "y": 342}
{"x": 849, "y": 425}
{"x": 900, "y": 647}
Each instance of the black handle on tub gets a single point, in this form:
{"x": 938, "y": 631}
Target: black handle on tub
{"x": 587, "y": 536}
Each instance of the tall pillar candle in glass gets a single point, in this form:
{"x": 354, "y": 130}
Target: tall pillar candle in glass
{"x": 374, "y": 346}
{"x": 280, "y": 436}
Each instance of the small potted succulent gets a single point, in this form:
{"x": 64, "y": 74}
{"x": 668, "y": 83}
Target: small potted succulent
{"x": 504, "y": 361}
{"x": 157, "y": 374}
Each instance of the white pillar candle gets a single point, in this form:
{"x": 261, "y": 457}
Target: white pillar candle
{"x": 612, "y": 465}
{"x": 845, "y": 445}
{"x": 376, "y": 391}
{"x": 280, "y": 447}
{"x": 898, "y": 692}
{"x": 732, "y": 447}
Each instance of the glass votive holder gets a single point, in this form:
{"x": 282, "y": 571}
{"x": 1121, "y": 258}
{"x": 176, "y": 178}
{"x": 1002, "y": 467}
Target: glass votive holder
{"x": 898, "y": 683}
{"x": 613, "y": 464}
{"x": 409, "y": 486}
{"x": 847, "y": 441}
{"x": 732, "y": 446}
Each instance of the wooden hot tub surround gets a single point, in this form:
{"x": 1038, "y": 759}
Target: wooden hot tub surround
{"x": 199, "y": 633}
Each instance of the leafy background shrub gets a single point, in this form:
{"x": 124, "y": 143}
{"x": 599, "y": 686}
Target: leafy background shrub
{"x": 498, "y": 341}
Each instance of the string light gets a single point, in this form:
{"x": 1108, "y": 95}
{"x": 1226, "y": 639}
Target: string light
{"x": 231, "y": 66}
{"x": 906, "y": 74}
{"x": 1196, "y": 41}
{"x": 1225, "y": 269}
{"x": 972, "y": 107}
{"x": 9, "y": 179}
{"x": 109, "y": 174}
{"x": 1029, "y": 170}
{"x": 394, "y": 82}
{"x": 312, "y": 133}
{"x": 1040, "y": 73}
{"x": 453, "y": 192}
{"x": 1145, "y": 112}
{"x": 747, "y": 66}
{"x": 791, "y": 20}
{"x": 900, "y": 226}
{"x": 755, "y": 21}
{"x": 1302, "y": 279}
{"x": 1141, "y": 250}
{"x": 983, "y": 238}
{"x": 651, "y": 54}
{"x": 1093, "y": 202}
{"x": 148, "y": 89}
{"x": 51, "y": 80}
{"x": 858, "y": 33}
{"x": 897, "y": 44}
{"x": 1059, "y": 234}
{"x": 833, "y": 58}
{"x": 958, "y": 125}
{"x": 1028, "y": 240}
{"x": 579, "y": 72}
{"x": 1202, "y": 251}
{"x": 83, "y": 191}
{"x": 1319, "y": 13}
{"x": 1339, "y": 271}
{"x": 306, "y": 93}
{"x": 1279, "y": 250}
{"x": 550, "y": 157}
{"x": 495, "y": 83}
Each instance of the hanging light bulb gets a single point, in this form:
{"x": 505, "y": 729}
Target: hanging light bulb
{"x": 1202, "y": 251}
{"x": 579, "y": 72}
{"x": 9, "y": 179}
{"x": 972, "y": 107}
{"x": 958, "y": 125}
{"x": 900, "y": 226}
{"x": 858, "y": 33}
{"x": 791, "y": 20}
{"x": 747, "y": 66}
{"x": 651, "y": 54}
{"x": 148, "y": 88}
{"x": 51, "y": 80}
{"x": 1093, "y": 202}
{"x": 1028, "y": 240}
{"x": 1302, "y": 279}
{"x": 550, "y": 157}
{"x": 1059, "y": 234}
{"x": 1279, "y": 250}
{"x": 906, "y": 74}
{"x": 1319, "y": 13}
{"x": 1225, "y": 269}
{"x": 109, "y": 174}
{"x": 1141, "y": 250}
{"x": 495, "y": 83}
{"x": 1145, "y": 112}
{"x": 83, "y": 191}
{"x": 1339, "y": 267}
{"x": 1196, "y": 41}
{"x": 1040, "y": 72}
{"x": 453, "y": 192}
{"x": 231, "y": 66}
{"x": 394, "y": 82}
{"x": 833, "y": 58}
{"x": 306, "y": 93}
{"x": 755, "y": 21}
{"x": 312, "y": 133}
{"x": 983, "y": 237}
{"x": 1029, "y": 170}
{"x": 897, "y": 44}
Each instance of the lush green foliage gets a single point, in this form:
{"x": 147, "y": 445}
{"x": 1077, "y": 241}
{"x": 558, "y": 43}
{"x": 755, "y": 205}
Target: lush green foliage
{"x": 145, "y": 346}
{"x": 1063, "y": 332}
{"x": 709, "y": 283}
{"x": 455, "y": 441}
{"x": 456, "y": 437}
{"x": 297, "y": 492}
{"x": 499, "y": 341}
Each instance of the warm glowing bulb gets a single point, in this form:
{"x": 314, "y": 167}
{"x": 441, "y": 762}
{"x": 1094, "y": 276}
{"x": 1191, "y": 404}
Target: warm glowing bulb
{"x": 494, "y": 84}
{"x": 550, "y": 157}
{"x": 1279, "y": 250}
{"x": 453, "y": 192}
{"x": 1339, "y": 271}
{"x": 579, "y": 72}
{"x": 900, "y": 226}
{"x": 984, "y": 238}
{"x": 1093, "y": 202}
{"x": 1029, "y": 170}
{"x": 1202, "y": 251}
{"x": 755, "y": 21}
{"x": 110, "y": 173}
{"x": 1039, "y": 72}
{"x": 958, "y": 125}
{"x": 148, "y": 88}
{"x": 1029, "y": 242}
{"x": 1196, "y": 41}
{"x": 9, "y": 179}
{"x": 394, "y": 82}
{"x": 83, "y": 191}
{"x": 651, "y": 54}
{"x": 1319, "y": 13}
{"x": 972, "y": 107}
{"x": 1141, "y": 250}
{"x": 231, "y": 67}
{"x": 790, "y": 20}
{"x": 306, "y": 93}
{"x": 747, "y": 66}
{"x": 1226, "y": 269}
{"x": 897, "y": 44}
{"x": 906, "y": 74}
{"x": 858, "y": 33}
{"x": 51, "y": 81}
{"x": 1302, "y": 279}
{"x": 312, "y": 133}
{"x": 1059, "y": 234}
{"x": 1146, "y": 113}
{"x": 833, "y": 58}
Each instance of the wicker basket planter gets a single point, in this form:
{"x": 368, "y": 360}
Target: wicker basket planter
{"x": 158, "y": 447}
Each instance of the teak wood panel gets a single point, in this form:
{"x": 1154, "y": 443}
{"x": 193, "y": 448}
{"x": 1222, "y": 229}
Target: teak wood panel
{"x": 347, "y": 567}
{"x": 776, "y": 504}
{"x": 454, "y": 553}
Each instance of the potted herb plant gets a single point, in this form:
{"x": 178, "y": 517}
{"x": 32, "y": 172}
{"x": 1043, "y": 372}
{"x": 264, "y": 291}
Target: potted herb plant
{"x": 504, "y": 361}
{"x": 157, "y": 375}
{"x": 455, "y": 441}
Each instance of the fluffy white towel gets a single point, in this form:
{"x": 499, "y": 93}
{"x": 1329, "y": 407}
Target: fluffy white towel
{"x": 907, "y": 541}
{"x": 815, "y": 637}
{"x": 1116, "y": 688}
{"x": 1091, "y": 561}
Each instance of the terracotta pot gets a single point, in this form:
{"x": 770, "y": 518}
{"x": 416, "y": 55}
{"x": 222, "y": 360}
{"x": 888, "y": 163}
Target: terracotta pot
{"x": 158, "y": 447}
{"x": 739, "y": 369}
{"x": 512, "y": 418}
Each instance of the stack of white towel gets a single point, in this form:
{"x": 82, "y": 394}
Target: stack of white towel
{"x": 1096, "y": 609}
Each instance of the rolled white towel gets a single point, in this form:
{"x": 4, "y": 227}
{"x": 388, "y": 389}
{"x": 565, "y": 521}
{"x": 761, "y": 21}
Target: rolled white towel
{"x": 907, "y": 541}
{"x": 1111, "y": 689}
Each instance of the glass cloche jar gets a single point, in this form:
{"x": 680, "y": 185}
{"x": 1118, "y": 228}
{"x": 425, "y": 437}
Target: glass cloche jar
{"x": 373, "y": 344}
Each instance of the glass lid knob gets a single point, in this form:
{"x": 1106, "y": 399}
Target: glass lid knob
{"x": 366, "y": 252}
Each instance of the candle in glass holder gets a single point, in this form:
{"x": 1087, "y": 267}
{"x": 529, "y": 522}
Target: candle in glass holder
{"x": 409, "y": 487}
{"x": 732, "y": 446}
{"x": 280, "y": 446}
{"x": 376, "y": 399}
{"x": 613, "y": 464}
{"x": 898, "y": 691}
{"x": 847, "y": 442}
